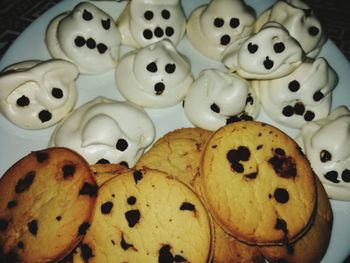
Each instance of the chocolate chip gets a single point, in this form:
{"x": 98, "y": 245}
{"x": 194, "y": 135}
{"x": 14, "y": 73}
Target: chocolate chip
{"x": 288, "y": 111}
{"x": 251, "y": 175}
{"x": 88, "y": 189}
{"x": 187, "y": 206}
{"x": 101, "y": 48}
{"x": 165, "y": 255}
{"x": 23, "y": 184}
{"x": 238, "y": 167}
{"x": 259, "y": 146}
{"x": 325, "y": 156}
{"x": 252, "y": 48}
{"x": 33, "y": 227}
{"x": 165, "y": 14}
{"x": 299, "y": 108}
{"x": 225, "y": 40}
{"x": 170, "y": 68}
{"x": 124, "y": 163}
{"x": 281, "y": 195}
{"x": 45, "y": 116}
{"x": 133, "y": 217}
{"x": 345, "y": 175}
{"x": 137, "y": 176}
{"x": 68, "y": 170}
{"x": 218, "y": 22}
{"x": 147, "y": 34}
{"x": 294, "y": 86}
{"x": 106, "y": 24}
{"x": 91, "y": 43}
{"x": 57, "y": 93}
{"x": 309, "y": 116}
{"x": 234, "y": 22}
{"x": 159, "y": 88}
{"x": 3, "y": 224}
{"x": 318, "y": 95}
{"x": 86, "y": 252}
{"x": 332, "y": 176}
{"x": 125, "y": 246}
{"x": 280, "y": 151}
{"x": 20, "y": 244}
{"x": 83, "y": 228}
{"x": 106, "y": 207}
{"x": 131, "y": 200}
{"x": 152, "y": 67}
{"x": 148, "y": 15}
{"x": 169, "y": 31}
{"x": 23, "y": 101}
{"x": 79, "y": 41}
{"x": 215, "y": 108}
{"x": 12, "y": 204}
{"x": 268, "y": 63}
{"x": 87, "y": 16}
{"x": 103, "y": 161}
{"x": 281, "y": 225}
{"x": 279, "y": 47}
{"x": 284, "y": 166}
{"x": 313, "y": 31}
{"x": 122, "y": 145}
{"x": 158, "y": 32}
{"x": 249, "y": 99}
{"x": 58, "y": 218}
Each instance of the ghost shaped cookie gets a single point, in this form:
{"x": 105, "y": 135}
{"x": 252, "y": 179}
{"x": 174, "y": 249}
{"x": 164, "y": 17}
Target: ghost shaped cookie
{"x": 148, "y": 21}
{"x": 326, "y": 143}
{"x": 300, "y": 97}
{"x": 86, "y": 36}
{"x": 106, "y": 131}
{"x": 300, "y": 21}
{"x": 211, "y": 28}
{"x": 156, "y": 76}
{"x": 220, "y": 98}
{"x": 267, "y": 54}
{"x": 37, "y": 94}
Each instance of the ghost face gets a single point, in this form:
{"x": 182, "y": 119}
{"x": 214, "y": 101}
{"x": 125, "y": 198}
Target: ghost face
{"x": 151, "y": 21}
{"x": 36, "y": 94}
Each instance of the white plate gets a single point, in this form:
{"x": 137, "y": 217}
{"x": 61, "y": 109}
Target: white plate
{"x": 16, "y": 142}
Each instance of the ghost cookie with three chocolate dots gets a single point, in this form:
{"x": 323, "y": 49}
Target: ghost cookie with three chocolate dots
{"x": 148, "y": 216}
{"x": 257, "y": 183}
{"x": 46, "y": 206}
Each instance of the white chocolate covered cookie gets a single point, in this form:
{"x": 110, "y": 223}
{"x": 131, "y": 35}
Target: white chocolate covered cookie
{"x": 157, "y": 76}
{"x": 269, "y": 53}
{"x": 86, "y": 36}
{"x": 302, "y": 96}
{"x": 37, "y": 94}
{"x": 300, "y": 21}
{"x": 217, "y": 98}
{"x": 105, "y": 130}
{"x": 326, "y": 143}
{"x": 211, "y": 28}
{"x": 147, "y": 21}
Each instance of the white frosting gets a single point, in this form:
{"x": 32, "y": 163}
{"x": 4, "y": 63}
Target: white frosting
{"x": 86, "y": 36}
{"x": 211, "y": 28}
{"x": 302, "y": 96}
{"x": 147, "y": 21}
{"x": 269, "y": 53}
{"x": 326, "y": 143}
{"x": 300, "y": 21}
{"x": 156, "y": 76}
{"x": 216, "y": 98}
{"x": 38, "y": 94}
{"x": 99, "y": 129}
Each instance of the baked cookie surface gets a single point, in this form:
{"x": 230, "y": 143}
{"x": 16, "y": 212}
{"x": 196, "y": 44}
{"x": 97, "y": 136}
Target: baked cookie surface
{"x": 47, "y": 197}
{"x": 257, "y": 183}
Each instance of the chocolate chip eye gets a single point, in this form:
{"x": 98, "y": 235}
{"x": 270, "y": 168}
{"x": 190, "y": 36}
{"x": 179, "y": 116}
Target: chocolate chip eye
{"x": 45, "y": 115}
{"x": 147, "y": 34}
{"x": 318, "y": 95}
{"x": 79, "y": 41}
{"x": 268, "y": 64}
{"x": 165, "y": 14}
{"x": 159, "y": 88}
{"x": 152, "y": 67}
{"x": 225, "y": 40}
{"x": 215, "y": 108}
{"x": 252, "y": 48}
{"x": 313, "y": 31}
{"x": 279, "y": 47}
{"x": 325, "y": 156}
{"x": 234, "y": 22}
{"x": 122, "y": 145}
{"x": 87, "y": 16}
{"x": 148, "y": 15}
{"x": 170, "y": 68}
{"x": 106, "y": 24}
{"x": 23, "y": 101}
{"x": 218, "y": 22}
{"x": 169, "y": 31}
{"x": 293, "y": 86}
{"x": 57, "y": 93}
{"x": 332, "y": 176}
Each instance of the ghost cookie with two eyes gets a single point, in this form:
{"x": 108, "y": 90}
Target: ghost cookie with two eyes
{"x": 156, "y": 76}
{"x": 300, "y": 97}
{"x": 148, "y": 21}
{"x": 326, "y": 143}
{"x": 220, "y": 98}
{"x": 38, "y": 94}
{"x": 268, "y": 54}
{"x": 106, "y": 131}
{"x": 211, "y": 28}
{"x": 300, "y": 21}
{"x": 87, "y": 36}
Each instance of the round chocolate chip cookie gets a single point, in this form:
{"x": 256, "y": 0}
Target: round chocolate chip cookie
{"x": 258, "y": 184}
{"x": 46, "y": 205}
{"x": 148, "y": 216}
{"x": 313, "y": 245}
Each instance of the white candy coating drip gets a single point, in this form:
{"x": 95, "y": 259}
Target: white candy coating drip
{"x": 99, "y": 129}
{"x": 144, "y": 22}
{"x": 156, "y": 76}
{"x": 326, "y": 143}
{"x": 86, "y": 36}
{"x": 211, "y": 28}
{"x": 270, "y": 53}
{"x": 38, "y": 94}
{"x": 302, "y": 96}
{"x": 300, "y": 21}
{"x": 216, "y": 96}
